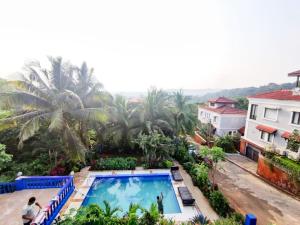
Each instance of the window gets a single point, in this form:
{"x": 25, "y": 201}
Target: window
{"x": 212, "y": 104}
{"x": 253, "y": 112}
{"x": 296, "y": 118}
{"x": 270, "y": 114}
{"x": 230, "y": 132}
{"x": 215, "y": 119}
{"x": 266, "y": 136}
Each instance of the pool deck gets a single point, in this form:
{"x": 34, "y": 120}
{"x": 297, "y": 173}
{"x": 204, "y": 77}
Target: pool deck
{"x": 85, "y": 179}
{"x": 12, "y": 203}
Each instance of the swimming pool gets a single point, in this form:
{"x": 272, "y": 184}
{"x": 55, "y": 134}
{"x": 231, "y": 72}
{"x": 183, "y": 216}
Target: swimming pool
{"x": 121, "y": 190}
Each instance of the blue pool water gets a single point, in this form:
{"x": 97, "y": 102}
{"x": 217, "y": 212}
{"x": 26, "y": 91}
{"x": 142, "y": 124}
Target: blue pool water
{"x": 120, "y": 191}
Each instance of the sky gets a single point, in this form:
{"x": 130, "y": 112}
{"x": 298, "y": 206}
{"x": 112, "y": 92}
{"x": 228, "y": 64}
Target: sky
{"x": 133, "y": 45}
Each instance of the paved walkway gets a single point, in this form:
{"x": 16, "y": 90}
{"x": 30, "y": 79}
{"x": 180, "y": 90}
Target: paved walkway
{"x": 11, "y": 204}
{"x": 243, "y": 161}
{"x": 201, "y": 200}
{"x": 249, "y": 194}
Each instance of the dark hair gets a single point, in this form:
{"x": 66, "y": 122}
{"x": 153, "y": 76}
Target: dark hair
{"x": 157, "y": 197}
{"x": 31, "y": 200}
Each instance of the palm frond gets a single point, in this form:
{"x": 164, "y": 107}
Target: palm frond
{"x": 22, "y": 99}
{"x": 90, "y": 114}
{"x": 28, "y": 130}
{"x": 57, "y": 121}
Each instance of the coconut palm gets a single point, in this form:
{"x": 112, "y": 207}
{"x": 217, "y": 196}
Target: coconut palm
{"x": 184, "y": 119}
{"x": 44, "y": 96}
{"x": 108, "y": 211}
{"x": 155, "y": 112}
{"x": 126, "y": 122}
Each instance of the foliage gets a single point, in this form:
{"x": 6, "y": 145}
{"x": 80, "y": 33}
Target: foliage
{"x": 215, "y": 154}
{"x": 291, "y": 166}
{"x": 150, "y": 216}
{"x": 200, "y": 219}
{"x": 227, "y": 143}
{"x": 200, "y": 175}
{"x": 128, "y": 163}
{"x": 294, "y": 141}
{"x": 155, "y": 146}
{"x": 206, "y": 130}
{"x": 167, "y": 164}
{"x": 227, "y": 221}
{"x": 50, "y": 96}
{"x": 219, "y": 203}
{"x": 242, "y": 103}
{"x": 4, "y": 157}
{"x": 184, "y": 119}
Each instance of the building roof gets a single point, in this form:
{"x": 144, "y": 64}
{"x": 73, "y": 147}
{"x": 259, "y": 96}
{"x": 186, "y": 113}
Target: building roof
{"x": 226, "y": 110}
{"x": 278, "y": 95}
{"x": 294, "y": 74}
{"x": 222, "y": 100}
{"x": 267, "y": 129}
{"x": 286, "y": 134}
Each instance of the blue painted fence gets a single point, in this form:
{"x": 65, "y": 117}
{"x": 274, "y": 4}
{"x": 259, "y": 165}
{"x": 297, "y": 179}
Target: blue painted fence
{"x": 50, "y": 212}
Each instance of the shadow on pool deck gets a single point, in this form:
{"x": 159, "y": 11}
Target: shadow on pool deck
{"x": 11, "y": 204}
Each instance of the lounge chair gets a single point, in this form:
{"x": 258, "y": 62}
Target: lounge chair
{"x": 186, "y": 196}
{"x": 176, "y": 174}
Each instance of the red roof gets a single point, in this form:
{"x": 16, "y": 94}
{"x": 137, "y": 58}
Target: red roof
{"x": 222, "y": 100}
{"x": 286, "y": 135}
{"x": 267, "y": 129}
{"x": 294, "y": 74}
{"x": 278, "y": 95}
{"x": 226, "y": 110}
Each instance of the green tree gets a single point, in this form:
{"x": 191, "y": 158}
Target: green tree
{"x": 155, "y": 146}
{"x": 184, "y": 119}
{"x": 242, "y": 103}
{"x": 44, "y": 96}
{"x": 215, "y": 154}
{"x": 227, "y": 143}
{"x": 294, "y": 141}
{"x": 4, "y": 157}
{"x": 155, "y": 112}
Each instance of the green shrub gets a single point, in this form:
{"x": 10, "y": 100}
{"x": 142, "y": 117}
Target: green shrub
{"x": 188, "y": 166}
{"x": 227, "y": 143}
{"x": 200, "y": 174}
{"x": 219, "y": 203}
{"x": 238, "y": 217}
{"x": 226, "y": 221}
{"x": 167, "y": 164}
{"x": 118, "y": 163}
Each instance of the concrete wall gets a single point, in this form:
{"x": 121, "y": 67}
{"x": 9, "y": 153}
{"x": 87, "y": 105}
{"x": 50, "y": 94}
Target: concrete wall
{"x": 277, "y": 176}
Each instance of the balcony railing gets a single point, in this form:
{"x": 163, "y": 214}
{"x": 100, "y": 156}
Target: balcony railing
{"x": 49, "y": 213}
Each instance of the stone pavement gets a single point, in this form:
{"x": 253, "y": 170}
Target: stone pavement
{"x": 243, "y": 162}
{"x": 12, "y": 203}
{"x": 201, "y": 200}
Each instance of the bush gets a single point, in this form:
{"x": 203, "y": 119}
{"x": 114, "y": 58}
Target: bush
{"x": 219, "y": 203}
{"x": 226, "y": 221}
{"x": 200, "y": 174}
{"x": 167, "y": 164}
{"x": 227, "y": 143}
{"x": 188, "y": 166}
{"x": 238, "y": 217}
{"x": 118, "y": 163}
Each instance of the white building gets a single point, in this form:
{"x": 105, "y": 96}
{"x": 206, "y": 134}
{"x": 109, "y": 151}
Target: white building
{"x": 271, "y": 119}
{"x": 222, "y": 114}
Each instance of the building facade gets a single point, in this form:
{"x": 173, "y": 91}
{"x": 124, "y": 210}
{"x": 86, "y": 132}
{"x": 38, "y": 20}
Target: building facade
{"x": 222, "y": 114}
{"x": 271, "y": 119}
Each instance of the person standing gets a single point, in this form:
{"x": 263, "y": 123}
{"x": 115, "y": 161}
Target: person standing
{"x": 160, "y": 205}
{"x": 28, "y": 213}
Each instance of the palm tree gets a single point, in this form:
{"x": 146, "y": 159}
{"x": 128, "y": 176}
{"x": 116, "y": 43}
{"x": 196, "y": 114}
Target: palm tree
{"x": 44, "y": 96}
{"x": 126, "y": 121}
{"x": 184, "y": 119}
{"x": 108, "y": 211}
{"x": 155, "y": 112}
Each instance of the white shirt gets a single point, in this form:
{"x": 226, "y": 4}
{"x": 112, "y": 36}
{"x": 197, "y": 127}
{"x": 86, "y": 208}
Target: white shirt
{"x": 28, "y": 210}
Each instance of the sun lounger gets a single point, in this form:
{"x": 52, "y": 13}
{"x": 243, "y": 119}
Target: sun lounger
{"x": 176, "y": 174}
{"x": 186, "y": 196}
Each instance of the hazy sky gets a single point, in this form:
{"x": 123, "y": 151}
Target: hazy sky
{"x": 169, "y": 44}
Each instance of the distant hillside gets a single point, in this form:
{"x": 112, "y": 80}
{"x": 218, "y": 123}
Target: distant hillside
{"x": 244, "y": 92}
